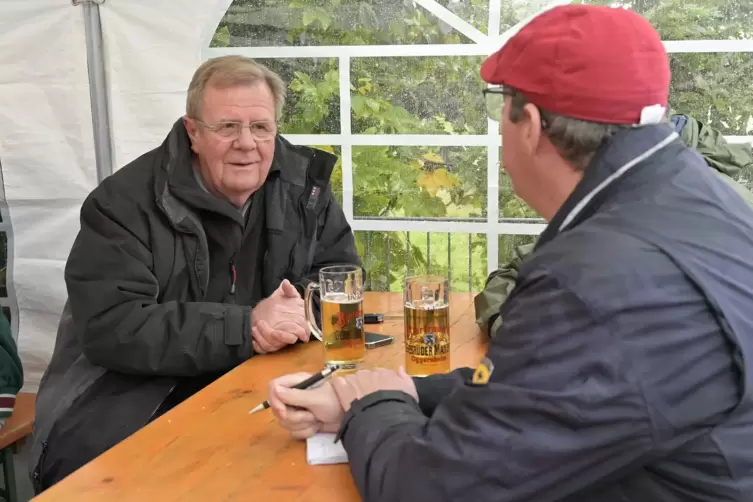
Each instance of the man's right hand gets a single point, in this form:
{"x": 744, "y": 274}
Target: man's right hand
{"x": 279, "y": 320}
{"x": 304, "y": 412}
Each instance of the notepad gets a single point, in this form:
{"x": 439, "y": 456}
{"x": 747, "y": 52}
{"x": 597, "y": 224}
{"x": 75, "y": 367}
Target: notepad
{"x": 321, "y": 449}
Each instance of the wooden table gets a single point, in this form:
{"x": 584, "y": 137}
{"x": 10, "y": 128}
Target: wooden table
{"x": 210, "y": 449}
{"x": 19, "y": 425}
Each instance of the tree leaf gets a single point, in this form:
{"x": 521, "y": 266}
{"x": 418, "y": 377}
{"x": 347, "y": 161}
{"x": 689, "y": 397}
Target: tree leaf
{"x": 436, "y": 180}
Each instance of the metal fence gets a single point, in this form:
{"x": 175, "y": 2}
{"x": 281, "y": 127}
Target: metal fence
{"x": 390, "y": 256}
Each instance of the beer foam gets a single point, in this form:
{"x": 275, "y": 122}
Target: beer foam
{"x": 339, "y": 298}
{"x": 426, "y": 305}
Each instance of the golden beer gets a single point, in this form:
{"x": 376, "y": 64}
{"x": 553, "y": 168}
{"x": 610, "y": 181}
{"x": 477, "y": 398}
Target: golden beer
{"x": 427, "y": 326}
{"x": 341, "y": 292}
{"x": 342, "y": 331}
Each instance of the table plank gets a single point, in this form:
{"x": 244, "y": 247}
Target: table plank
{"x": 20, "y": 423}
{"x": 210, "y": 448}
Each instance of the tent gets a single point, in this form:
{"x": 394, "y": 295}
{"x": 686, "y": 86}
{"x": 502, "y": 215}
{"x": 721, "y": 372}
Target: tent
{"x": 88, "y": 85}
{"x": 47, "y": 150}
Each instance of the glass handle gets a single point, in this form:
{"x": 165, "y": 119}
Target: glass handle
{"x": 310, "y": 320}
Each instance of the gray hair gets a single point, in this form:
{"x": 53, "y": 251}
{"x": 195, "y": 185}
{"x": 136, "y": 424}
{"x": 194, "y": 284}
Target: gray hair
{"x": 232, "y": 71}
{"x": 575, "y": 139}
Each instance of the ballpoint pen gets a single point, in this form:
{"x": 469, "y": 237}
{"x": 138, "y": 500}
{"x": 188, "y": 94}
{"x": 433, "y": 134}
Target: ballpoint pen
{"x": 306, "y": 384}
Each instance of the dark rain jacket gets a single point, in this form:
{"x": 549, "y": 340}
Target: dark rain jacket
{"x": 623, "y": 370}
{"x": 727, "y": 160}
{"x": 154, "y": 306}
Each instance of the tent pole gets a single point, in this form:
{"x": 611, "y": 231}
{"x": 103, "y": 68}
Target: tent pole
{"x": 97, "y": 87}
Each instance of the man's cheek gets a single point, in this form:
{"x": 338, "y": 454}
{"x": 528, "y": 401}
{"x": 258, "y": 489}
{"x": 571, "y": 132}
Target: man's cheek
{"x": 268, "y": 152}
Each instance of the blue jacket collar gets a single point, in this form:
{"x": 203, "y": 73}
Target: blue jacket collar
{"x": 624, "y": 153}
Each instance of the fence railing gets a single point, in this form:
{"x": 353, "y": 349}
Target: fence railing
{"x": 390, "y": 256}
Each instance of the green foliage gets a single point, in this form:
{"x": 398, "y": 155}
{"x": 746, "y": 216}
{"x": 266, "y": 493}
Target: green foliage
{"x": 441, "y": 95}
{"x": 508, "y": 243}
{"x": 713, "y": 87}
{"x": 429, "y": 254}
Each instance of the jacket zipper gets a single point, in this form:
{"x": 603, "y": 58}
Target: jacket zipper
{"x": 233, "y": 276}
{"x": 301, "y": 208}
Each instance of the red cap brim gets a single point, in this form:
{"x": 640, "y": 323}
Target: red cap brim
{"x": 489, "y": 69}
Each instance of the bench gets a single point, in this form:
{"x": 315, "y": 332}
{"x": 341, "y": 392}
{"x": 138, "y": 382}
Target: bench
{"x": 16, "y": 428}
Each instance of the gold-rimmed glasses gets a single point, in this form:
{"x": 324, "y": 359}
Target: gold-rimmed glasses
{"x": 262, "y": 130}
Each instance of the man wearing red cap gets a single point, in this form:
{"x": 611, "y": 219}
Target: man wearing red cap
{"x": 624, "y": 368}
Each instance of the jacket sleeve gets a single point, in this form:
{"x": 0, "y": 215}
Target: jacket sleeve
{"x": 561, "y": 412}
{"x": 113, "y": 298}
{"x": 433, "y": 389}
{"x": 335, "y": 245}
{"x": 499, "y": 285}
{"x": 11, "y": 369}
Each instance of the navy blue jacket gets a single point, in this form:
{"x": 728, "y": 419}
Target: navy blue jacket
{"x": 623, "y": 367}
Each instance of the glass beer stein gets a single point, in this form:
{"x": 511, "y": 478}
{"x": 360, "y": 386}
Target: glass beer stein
{"x": 341, "y": 292}
{"x": 427, "y": 325}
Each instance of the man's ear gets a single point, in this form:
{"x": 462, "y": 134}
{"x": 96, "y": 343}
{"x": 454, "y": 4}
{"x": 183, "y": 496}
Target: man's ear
{"x": 531, "y": 128}
{"x": 191, "y": 129}
{"x": 190, "y": 125}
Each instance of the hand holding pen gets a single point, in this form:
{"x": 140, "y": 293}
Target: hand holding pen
{"x": 317, "y": 407}
{"x": 305, "y": 384}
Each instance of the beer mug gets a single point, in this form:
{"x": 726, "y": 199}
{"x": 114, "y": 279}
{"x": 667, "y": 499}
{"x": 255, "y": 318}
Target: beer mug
{"x": 427, "y": 325}
{"x": 341, "y": 292}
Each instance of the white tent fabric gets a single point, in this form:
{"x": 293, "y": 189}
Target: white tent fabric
{"x": 47, "y": 156}
{"x": 151, "y": 51}
{"x": 46, "y": 139}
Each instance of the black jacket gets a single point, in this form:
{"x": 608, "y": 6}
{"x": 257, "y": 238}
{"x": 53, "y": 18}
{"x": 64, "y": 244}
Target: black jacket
{"x": 623, "y": 370}
{"x": 141, "y": 316}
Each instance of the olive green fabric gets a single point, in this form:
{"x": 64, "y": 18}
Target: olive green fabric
{"x": 728, "y": 161}
{"x": 498, "y": 286}
{"x": 724, "y": 157}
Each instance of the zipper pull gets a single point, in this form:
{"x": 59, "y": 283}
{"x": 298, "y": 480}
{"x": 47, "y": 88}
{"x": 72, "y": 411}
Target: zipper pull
{"x": 233, "y": 277}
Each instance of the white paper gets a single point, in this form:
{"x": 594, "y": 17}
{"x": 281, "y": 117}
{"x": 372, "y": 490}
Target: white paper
{"x": 321, "y": 449}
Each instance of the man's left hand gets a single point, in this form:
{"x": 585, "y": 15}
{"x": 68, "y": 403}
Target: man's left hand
{"x": 362, "y": 383}
{"x": 267, "y": 339}
{"x": 297, "y": 324}
{"x": 279, "y": 331}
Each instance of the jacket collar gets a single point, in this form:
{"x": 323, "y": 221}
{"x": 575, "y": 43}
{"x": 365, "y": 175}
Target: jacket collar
{"x": 296, "y": 165}
{"x": 625, "y": 152}
{"x": 200, "y": 182}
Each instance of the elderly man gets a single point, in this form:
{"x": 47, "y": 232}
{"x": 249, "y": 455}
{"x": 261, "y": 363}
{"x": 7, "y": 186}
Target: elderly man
{"x": 624, "y": 366}
{"x": 726, "y": 161}
{"x": 190, "y": 260}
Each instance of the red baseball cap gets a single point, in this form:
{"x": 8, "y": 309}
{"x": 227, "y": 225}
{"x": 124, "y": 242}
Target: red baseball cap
{"x": 596, "y": 63}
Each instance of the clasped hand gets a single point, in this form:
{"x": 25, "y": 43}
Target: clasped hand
{"x": 321, "y": 409}
{"x": 279, "y": 320}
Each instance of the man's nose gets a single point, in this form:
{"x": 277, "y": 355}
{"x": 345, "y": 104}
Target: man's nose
{"x": 245, "y": 139}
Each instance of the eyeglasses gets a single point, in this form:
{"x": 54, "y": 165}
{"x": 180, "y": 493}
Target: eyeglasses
{"x": 263, "y": 130}
{"x": 495, "y": 101}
